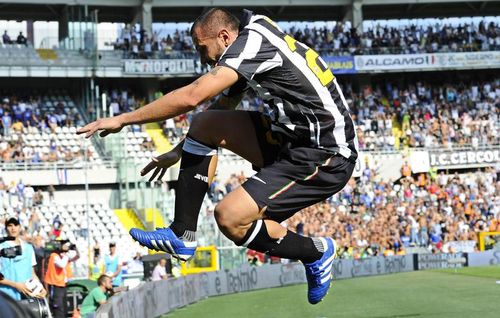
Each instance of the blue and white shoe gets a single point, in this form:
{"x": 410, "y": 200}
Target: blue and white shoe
{"x": 319, "y": 273}
{"x": 165, "y": 240}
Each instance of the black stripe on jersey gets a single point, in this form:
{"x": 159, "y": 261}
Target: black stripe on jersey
{"x": 240, "y": 55}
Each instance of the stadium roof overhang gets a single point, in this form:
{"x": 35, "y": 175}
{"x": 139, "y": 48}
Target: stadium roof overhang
{"x": 281, "y": 10}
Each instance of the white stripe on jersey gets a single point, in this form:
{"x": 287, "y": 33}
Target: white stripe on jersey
{"x": 283, "y": 118}
{"x": 252, "y": 47}
{"x": 267, "y": 65}
{"x": 322, "y": 91}
{"x": 341, "y": 94}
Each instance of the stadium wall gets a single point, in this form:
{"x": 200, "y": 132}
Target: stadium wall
{"x": 157, "y": 298}
{"x": 153, "y": 299}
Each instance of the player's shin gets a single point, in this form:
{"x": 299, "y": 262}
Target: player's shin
{"x": 291, "y": 246}
{"x": 195, "y": 173}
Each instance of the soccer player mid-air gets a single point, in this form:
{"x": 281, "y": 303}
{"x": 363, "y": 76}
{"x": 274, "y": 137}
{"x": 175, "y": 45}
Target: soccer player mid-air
{"x": 305, "y": 147}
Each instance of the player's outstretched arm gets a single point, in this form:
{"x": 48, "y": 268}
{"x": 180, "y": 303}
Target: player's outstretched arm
{"x": 175, "y": 103}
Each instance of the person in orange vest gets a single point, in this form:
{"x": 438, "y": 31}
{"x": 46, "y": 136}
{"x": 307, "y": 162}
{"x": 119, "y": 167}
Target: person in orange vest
{"x": 56, "y": 277}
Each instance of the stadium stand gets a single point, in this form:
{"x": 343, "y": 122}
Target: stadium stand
{"x": 45, "y": 220}
{"x": 426, "y": 115}
{"x": 341, "y": 39}
{"x": 405, "y": 39}
{"x": 41, "y": 128}
{"x": 369, "y": 218}
{"x": 420, "y": 115}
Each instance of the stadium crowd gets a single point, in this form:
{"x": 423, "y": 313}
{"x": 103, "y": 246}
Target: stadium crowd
{"x": 40, "y": 128}
{"x": 428, "y": 210}
{"x": 424, "y": 115}
{"x": 341, "y": 39}
{"x": 139, "y": 45}
{"x": 432, "y": 211}
{"x": 405, "y": 39}
{"x": 389, "y": 117}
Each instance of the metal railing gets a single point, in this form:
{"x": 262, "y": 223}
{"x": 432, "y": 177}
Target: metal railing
{"x": 74, "y": 164}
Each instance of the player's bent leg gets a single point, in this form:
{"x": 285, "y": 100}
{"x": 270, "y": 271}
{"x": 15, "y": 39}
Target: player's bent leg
{"x": 240, "y": 219}
{"x": 233, "y": 130}
{"x": 208, "y": 131}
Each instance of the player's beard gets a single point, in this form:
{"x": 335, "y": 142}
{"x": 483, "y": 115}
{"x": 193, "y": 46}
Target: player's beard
{"x": 220, "y": 51}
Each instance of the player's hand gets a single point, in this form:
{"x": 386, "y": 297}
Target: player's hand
{"x": 105, "y": 125}
{"x": 162, "y": 163}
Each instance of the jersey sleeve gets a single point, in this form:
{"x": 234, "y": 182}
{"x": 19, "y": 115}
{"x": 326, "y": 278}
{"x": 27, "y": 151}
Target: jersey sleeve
{"x": 251, "y": 54}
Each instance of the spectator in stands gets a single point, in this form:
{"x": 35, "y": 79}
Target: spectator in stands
{"x": 51, "y": 190}
{"x": 3, "y": 190}
{"x": 12, "y": 190}
{"x": 160, "y": 270}
{"x": 33, "y": 223}
{"x": 20, "y": 191}
{"x": 21, "y": 39}
{"x": 28, "y": 194}
{"x": 38, "y": 198}
{"x": 97, "y": 297}
{"x": 6, "y": 124}
{"x": 96, "y": 268}
{"x": 113, "y": 265}
{"x": 56, "y": 229}
{"x": 6, "y": 38}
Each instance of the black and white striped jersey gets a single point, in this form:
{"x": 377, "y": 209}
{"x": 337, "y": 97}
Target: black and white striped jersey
{"x": 305, "y": 100}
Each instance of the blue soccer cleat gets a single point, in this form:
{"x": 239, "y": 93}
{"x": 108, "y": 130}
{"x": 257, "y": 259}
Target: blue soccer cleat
{"x": 164, "y": 240}
{"x": 319, "y": 273}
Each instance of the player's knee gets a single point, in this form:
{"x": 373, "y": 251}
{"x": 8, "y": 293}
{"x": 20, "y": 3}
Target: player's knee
{"x": 228, "y": 222}
{"x": 200, "y": 125}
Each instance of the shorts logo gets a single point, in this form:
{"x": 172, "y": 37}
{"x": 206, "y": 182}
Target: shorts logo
{"x": 258, "y": 179}
{"x": 202, "y": 178}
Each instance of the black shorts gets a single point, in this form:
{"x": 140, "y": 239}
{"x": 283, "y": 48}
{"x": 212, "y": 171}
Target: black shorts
{"x": 293, "y": 176}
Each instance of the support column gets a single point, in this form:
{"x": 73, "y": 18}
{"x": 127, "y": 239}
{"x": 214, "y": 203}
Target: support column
{"x": 354, "y": 14}
{"x": 63, "y": 24}
{"x": 29, "y": 32}
{"x": 147, "y": 17}
{"x": 144, "y": 16}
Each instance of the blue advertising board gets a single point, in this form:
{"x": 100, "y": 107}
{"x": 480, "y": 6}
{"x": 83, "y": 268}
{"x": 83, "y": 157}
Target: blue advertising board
{"x": 340, "y": 64}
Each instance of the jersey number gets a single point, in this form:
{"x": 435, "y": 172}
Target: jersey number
{"x": 325, "y": 76}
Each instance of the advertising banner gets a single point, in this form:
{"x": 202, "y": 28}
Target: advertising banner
{"x": 464, "y": 158}
{"x": 394, "y": 62}
{"x": 439, "y": 261}
{"x": 160, "y": 67}
{"x": 430, "y": 61}
{"x": 419, "y": 161}
{"x": 340, "y": 64}
{"x": 468, "y": 59}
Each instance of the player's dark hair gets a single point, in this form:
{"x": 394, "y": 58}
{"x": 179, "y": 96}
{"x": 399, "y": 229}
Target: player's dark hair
{"x": 214, "y": 18}
{"x": 101, "y": 279}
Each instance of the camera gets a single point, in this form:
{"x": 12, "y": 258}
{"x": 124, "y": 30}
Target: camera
{"x": 56, "y": 246}
{"x": 37, "y": 307}
{"x": 10, "y": 252}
